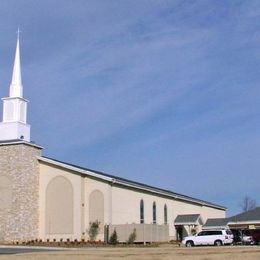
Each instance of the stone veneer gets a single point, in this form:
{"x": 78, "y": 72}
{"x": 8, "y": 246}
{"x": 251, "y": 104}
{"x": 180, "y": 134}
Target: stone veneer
{"x": 19, "y": 219}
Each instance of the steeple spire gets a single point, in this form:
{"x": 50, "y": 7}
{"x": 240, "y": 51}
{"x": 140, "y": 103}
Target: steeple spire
{"x": 16, "y": 88}
{"x": 14, "y": 125}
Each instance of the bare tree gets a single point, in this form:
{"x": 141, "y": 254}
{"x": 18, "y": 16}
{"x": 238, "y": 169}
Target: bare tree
{"x": 247, "y": 204}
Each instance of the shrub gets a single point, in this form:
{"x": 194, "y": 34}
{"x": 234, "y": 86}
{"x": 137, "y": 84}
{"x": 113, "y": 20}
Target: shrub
{"x": 193, "y": 231}
{"x": 132, "y": 237}
{"x": 113, "y": 238}
{"x": 93, "y": 230}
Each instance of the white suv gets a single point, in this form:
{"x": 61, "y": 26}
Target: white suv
{"x": 209, "y": 237}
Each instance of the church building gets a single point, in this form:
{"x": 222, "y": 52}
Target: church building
{"x": 44, "y": 198}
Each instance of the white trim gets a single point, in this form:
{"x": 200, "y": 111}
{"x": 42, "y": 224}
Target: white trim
{"x": 196, "y": 223}
{"x": 20, "y": 98}
{"x": 72, "y": 168}
{"x": 3, "y": 143}
{"x": 244, "y": 222}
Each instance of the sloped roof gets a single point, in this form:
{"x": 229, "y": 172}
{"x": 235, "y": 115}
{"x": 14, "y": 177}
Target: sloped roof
{"x": 187, "y": 219}
{"x": 251, "y": 215}
{"x": 124, "y": 182}
{"x": 216, "y": 222}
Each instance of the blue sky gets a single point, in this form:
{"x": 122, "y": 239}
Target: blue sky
{"x": 160, "y": 92}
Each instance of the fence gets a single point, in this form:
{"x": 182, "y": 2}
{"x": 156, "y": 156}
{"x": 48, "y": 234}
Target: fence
{"x": 145, "y": 233}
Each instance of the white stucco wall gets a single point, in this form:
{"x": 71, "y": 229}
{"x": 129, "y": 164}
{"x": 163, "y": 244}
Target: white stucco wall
{"x": 126, "y": 208}
{"x": 121, "y": 203}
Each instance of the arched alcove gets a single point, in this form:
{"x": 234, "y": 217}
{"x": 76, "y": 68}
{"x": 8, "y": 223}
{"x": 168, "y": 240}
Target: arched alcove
{"x": 59, "y": 206}
{"x": 96, "y": 207}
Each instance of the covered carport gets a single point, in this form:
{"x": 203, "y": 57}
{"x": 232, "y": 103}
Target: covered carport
{"x": 243, "y": 224}
{"x": 187, "y": 224}
{"x": 246, "y": 220}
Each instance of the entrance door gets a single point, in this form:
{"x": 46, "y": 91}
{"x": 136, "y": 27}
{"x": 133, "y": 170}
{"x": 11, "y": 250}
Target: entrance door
{"x": 179, "y": 233}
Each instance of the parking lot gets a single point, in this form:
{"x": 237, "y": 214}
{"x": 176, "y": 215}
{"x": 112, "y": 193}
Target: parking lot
{"x": 166, "y": 251}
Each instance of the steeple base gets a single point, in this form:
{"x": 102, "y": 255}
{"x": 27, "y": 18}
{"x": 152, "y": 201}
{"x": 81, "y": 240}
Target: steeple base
{"x": 14, "y": 131}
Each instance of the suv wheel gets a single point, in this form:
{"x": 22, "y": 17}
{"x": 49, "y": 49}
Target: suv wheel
{"x": 218, "y": 243}
{"x": 189, "y": 244}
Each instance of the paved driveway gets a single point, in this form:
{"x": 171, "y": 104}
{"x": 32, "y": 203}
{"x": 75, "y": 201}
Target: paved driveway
{"x": 5, "y": 250}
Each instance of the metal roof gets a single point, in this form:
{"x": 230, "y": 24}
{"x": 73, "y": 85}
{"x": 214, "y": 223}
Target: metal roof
{"x": 251, "y": 215}
{"x": 187, "y": 219}
{"x": 248, "y": 216}
{"x": 216, "y": 222}
{"x": 124, "y": 182}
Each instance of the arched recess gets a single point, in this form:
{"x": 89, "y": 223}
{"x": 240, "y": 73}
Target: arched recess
{"x": 96, "y": 207}
{"x": 59, "y": 206}
{"x": 5, "y": 193}
{"x": 154, "y": 212}
{"x": 165, "y": 214}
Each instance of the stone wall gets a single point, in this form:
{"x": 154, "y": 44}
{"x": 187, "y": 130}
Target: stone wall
{"x": 19, "y": 191}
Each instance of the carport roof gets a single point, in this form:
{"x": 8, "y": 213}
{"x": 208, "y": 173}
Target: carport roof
{"x": 216, "y": 222}
{"x": 189, "y": 219}
{"x": 245, "y": 217}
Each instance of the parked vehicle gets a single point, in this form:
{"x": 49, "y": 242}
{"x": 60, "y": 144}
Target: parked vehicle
{"x": 254, "y": 233}
{"x": 243, "y": 237}
{"x": 247, "y": 239}
{"x": 209, "y": 237}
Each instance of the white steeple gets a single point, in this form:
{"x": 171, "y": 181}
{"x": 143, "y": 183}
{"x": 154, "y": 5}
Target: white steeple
{"x": 14, "y": 126}
{"x": 16, "y": 88}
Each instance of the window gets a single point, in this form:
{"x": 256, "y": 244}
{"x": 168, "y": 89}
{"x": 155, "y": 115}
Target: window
{"x": 154, "y": 213}
{"x": 229, "y": 232}
{"x": 141, "y": 211}
{"x": 210, "y": 233}
{"x": 216, "y": 233}
{"x": 165, "y": 215}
